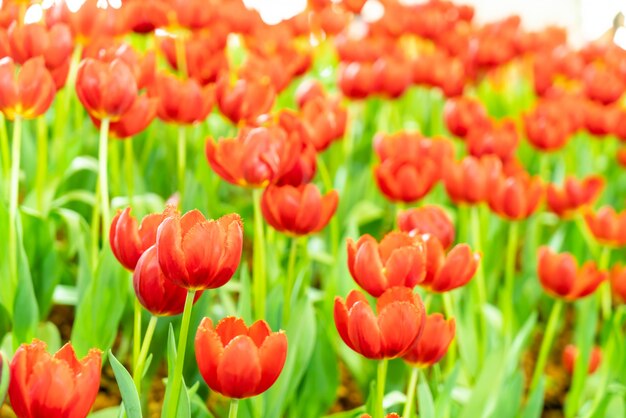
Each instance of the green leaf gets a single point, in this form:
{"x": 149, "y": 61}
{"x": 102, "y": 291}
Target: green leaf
{"x": 130, "y": 397}
{"x": 4, "y": 377}
{"x": 534, "y": 405}
{"x": 442, "y": 404}
{"x": 26, "y": 309}
{"x": 353, "y": 413}
{"x": 425, "y": 398}
{"x": 111, "y": 412}
{"x": 184, "y": 409}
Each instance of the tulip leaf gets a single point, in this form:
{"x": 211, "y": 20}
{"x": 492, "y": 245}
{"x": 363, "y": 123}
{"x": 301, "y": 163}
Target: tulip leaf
{"x": 442, "y": 404}
{"x": 425, "y": 398}
{"x": 534, "y": 405}
{"x": 184, "y": 409}
{"x": 4, "y": 377}
{"x": 111, "y": 412}
{"x": 130, "y": 397}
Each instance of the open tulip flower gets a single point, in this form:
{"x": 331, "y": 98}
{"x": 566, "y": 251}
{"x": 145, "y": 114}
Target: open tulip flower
{"x": 571, "y": 353}
{"x": 398, "y": 260}
{"x": 428, "y": 219}
{"x": 181, "y": 101}
{"x": 516, "y": 197}
{"x": 471, "y": 180}
{"x": 59, "y": 385}
{"x": 607, "y": 226}
{"x": 30, "y": 93}
{"x": 445, "y": 272}
{"x": 546, "y": 128}
{"x": 391, "y": 334}
{"x": 237, "y": 361}
{"x": 245, "y": 100}
{"x": 499, "y": 139}
{"x": 463, "y": 114}
{"x": 573, "y": 195}
{"x": 433, "y": 344}
{"x": 560, "y": 275}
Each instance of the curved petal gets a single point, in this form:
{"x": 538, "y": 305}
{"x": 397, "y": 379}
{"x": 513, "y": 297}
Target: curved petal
{"x": 239, "y": 370}
{"x": 272, "y": 354}
{"x": 209, "y": 350}
{"x": 364, "y": 331}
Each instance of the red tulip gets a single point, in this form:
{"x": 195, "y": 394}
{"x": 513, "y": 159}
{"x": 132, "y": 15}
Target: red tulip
{"x": 516, "y": 197}
{"x": 256, "y": 158}
{"x": 45, "y": 386}
{"x": 181, "y": 101}
{"x": 428, "y": 219}
{"x": 599, "y": 119}
{"x": 136, "y": 119}
{"x": 326, "y": 121}
{"x": 607, "y": 226}
{"x": 107, "y": 90}
{"x": 392, "y": 415}
{"x": 399, "y": 260}
{"x": 89, "y": 22}
{"x": 27, "y": 95}
{"x": 298, "y": 210}
{"x": 434, "y": 342}
{"x": 618, "y": 282}
{"x": 621, "y": 156}
{"x": 128, "y": 241}
{"x": 145, "y": 16}
{"x": 603, "y": 84}
{"x": 245, "y": 100}
{"x": 54, "y": 44}
{"x": 471, "y": 179}
{"x": 198, "y": 254}
{"x": 143, "y": 66}
{"x": 573, "y": 195}
{"x": 394, "y": 76}
{"x": 305, "y": 166}
{"x": 463, "y": 114}
{"x": 155, "y": 293}
{"x": 406, "y": 181}
{"x": 546, "y": 128}
{"x": 500, "y": 140}
{"x": 193, "y": 14}
{"x": 391, "y": 334}
{"x": 238, "y": 361}
{"x": 445, "y": 272}
{"x": 561, "y": 277}
{"x": 357, "y": 80}
{"x": 309, "y": 90}
{"x": 570, "y": 355}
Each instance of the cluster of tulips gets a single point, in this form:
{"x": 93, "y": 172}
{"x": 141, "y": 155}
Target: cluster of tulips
{"x": 325, "y": 127}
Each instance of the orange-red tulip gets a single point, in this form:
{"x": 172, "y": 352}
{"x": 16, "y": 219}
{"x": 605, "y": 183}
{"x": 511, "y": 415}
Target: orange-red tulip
{"x": 391, "y": 334}
{"x": 28, "y": 94}
{"x": 136, "y": 119}
{"x": 406, "y": 181}
{"x": 471, "y": 179}
{"x": 393, "y": 74}
{"x": 618, "y": 281}
{"x": 516, "y": 197}
{"x": 600, "y": 119}
{"x": 573, "y": 195}
{"x": 142, "y": 66}
{"x": 561, "y": 277}
{"x": 298, "y": 210}
{"x": 107, "y": 90}
{"x": 45, "y": 386}
{"x": 428, "y": 219}
{"x": 154, "y": 291}
{"x": 546, "y": 128}
{"x": 245, "y": 100}
{"x": 603, "y": 84}
{"x": 309, "y": 89}
{"x": 54, "y": 44}
{"x": 463, "y": 114}
{"x": 238, "y": 361}
{"x": 399, "y": 260}
{"x": 194, "y": 14}
{"x": 571, "y": 353}
{"x": 198, "y": 254}
{"x": 305, "y": 166}
{"x": 607, "y": 226}
{"x": 325, "y": 119}
{"x": 182, "y": 101}
{"x": 145, "y": 16}
{"x": 90, "y": 22}
{"x": 434, "y": 342}
{"x": 621, "y": 156}
{"x": 256, "y": 158}
{"x": 500, "y": 139}
{"x": 445, "y": 272}
{"x": 357, "y": 80}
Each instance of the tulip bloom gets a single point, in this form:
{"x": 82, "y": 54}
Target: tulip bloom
{"x": 573, "y": 195}
{"x": 434, "y": 342}
{"x": 136, "y": 119}
{"x": 391, "y": 334}
{"x": 128, "y": 241}
{"x": 570, "y": 355}
{"x": 463, "y": 114}
{"x": 406, "y": 181}
{"x": 107, "y": 90}
{"x": 357, "y": 80}
{"x": 546, "y": 128}
{"x": 45, "y": 386}
{"x": 499, "y": 139}
{"x": 471, "y": 179}
{"x": 516, "y": 197}
{"x": 561, "y": 277}
{"x": 326, "y": 121}
{"x": 198, "y": 254}
{"x": 30, "y": 94}
{"x": 399, "y": 260}
{"x": 238, "y": 361}
{"x": 181, "y": 101}
{"x": 607, "y": 226}
{"x": 428, "y": 219}
{"x": 445, "y": 272}
{"x": 155, "y": 293}
{"x": 618, "y": 281}
{"x": 256, "y": 158}
{"x": 245, "y": 100}
{"x": 54, "y": 44}
{"x": 603, "y": 84}
{"x": 298, "y": 210}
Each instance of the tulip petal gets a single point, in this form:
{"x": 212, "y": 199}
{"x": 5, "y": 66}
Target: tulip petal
{"x": 209, "y": 351}
{"x": 272, "y": 354}
{"x": 239, "y": 370}
{"x": 364, "y": 331}
{"x": 401, "y": 323}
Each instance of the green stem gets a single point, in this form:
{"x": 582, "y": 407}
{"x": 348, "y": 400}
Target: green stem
{"x": 136, "y": 332}
{"x": 410, "y": 393}
{"x": 258, "y": 253}
{"x": 584, "y": 230}
{"x": 114, "y": 162}
{"x": 480, "y": 273}
{"x": 177, "y": 379}
{"x": 546, "y": 343}
{"x": 448, "y": 307}
{"x": 509, "y": 278}
{"x": 143, "y": 354}
{"x": 103, "y": 175}
{"x": 605, "y": 288}
{"x": 182, "y": 161}
{"x": 42, "y": 162}
{"x": 95, "y": 229}
{"x": 129, "y": 159}
{"x": 234, "y": 405}
{"x": 4, "y": 149}
{"x": 16, "y": 148}
{"x": 181, "y": 58}
{"x": 379, "y": 412}
{"x": 291, "y": 264}
{"x": 334, "y": 221}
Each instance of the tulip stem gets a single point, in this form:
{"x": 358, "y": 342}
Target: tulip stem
{"x": 410, "y": 393}
{"x": 546, "y": 343}
{"x": 380, "y": 388}
{"x": 4, "y": 149}
{"x": 143, "y": 354}
{"x": 291, "y": 266}
{"x": 480, "y": 274}
{"x": 16, "y": 148}
{"x": 584, "y": 231}
{"x": 129, "y": 159}
{"x": 182, "y": 162}
{"x": 136, "y": 332}
{"x": 177, "y": 379}
{"x": 258, "y": 253}
{"x": 234, "y": 405}
{"x": 334, "y": 222}
{"x": 605, "y": 289}
{"x": 509, "y": 278}
{"x": 103, "y": 174}
{"x": 42, "y": 161}
{"x": 448, "y": 307}
{"x": 181, "y": 57}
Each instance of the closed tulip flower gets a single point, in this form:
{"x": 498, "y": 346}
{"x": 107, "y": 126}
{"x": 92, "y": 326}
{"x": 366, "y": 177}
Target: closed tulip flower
{"x": 154, "y": 291}
{"x": 237, "y": 361}
{"x": 107, "y": 90}
{"x": 198, "y": 254}
{"x": 571, "y": 353}
{"x": 244, "y": 100}
{"x": 607, "y": 226}
{"x": 471, "y": 179}
{"x": 430, "y": 348}
{"x": 389, "y": 334}
{"x": 326, "y": 120}
{"x": 560, "y": 275}
{"x": 516, "y": 197}
{"x": 445, "y": 272}
{"x": 398, "y": 260}
{"x": 428, "y": 219}
{"x": 357, "y": 80}
{"x": 499, "y": 139}
{"x": 54, "y": 44}
{"x": 462, "y": 114}
{"x": 59, "y": 385}
{"x": 406, "y": 181}
{"x": 602, "y": 84}
{"x": 600, "y": 120}
{"x": 573, "y": 195}
{"x": 546, "y": 128}
{"x": 29, "y": 94}
{"x": 181, "y": 101}
{"x": 298, "y": 210}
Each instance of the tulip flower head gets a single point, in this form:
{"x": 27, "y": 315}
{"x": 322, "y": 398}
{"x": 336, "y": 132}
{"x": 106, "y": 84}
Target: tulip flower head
{"x": 59, "y": 385}
{"x": 463, "y": 114}
{"x": 245, "y": 100}
{"x": 471, "y": 180}
{"x": 391, "y": 334}
{"x": 199, "y": 254}
{"x": 571, "y": 353}
{"x": 516, "y": 197}
{"x": 573, "y": 195}
{"x": 181, "y": 101}
{"x": 27, "y": 92}
{"x": 445, "y": 272}
{"x": 561, "y": 277}
{"x": 607, "y": 226}
{"x": 434, "y": 342}
{"x": 428, "y": 219}
{"x": 546, "y": 128}
{"x": 237, "y": 361}
{"x": 499, "y": 139}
